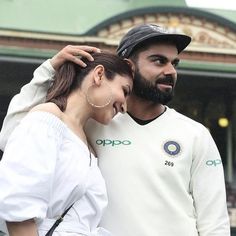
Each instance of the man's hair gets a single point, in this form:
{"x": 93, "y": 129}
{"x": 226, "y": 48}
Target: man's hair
{"x": 145, "y": 45}
{"x": 70, "y": 75}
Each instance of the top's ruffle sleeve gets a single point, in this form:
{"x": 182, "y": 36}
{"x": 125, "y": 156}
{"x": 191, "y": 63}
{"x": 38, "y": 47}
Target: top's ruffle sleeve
{"x": 27, "y": 167}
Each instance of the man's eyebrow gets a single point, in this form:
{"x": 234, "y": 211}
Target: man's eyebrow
{"x": 158, "y": 56}
{"x": 154, "y": 56}
{"x": 176, "y": 60}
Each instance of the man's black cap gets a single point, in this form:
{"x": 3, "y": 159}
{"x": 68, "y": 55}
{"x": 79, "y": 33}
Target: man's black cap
{"x": 143, "y": 32}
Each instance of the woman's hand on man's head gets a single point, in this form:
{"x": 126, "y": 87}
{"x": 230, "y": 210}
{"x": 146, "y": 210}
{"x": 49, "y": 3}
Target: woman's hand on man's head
{"x": 73, "y": 53}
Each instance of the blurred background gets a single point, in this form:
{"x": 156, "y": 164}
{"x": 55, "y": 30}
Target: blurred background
{"x": 32, "y": 31}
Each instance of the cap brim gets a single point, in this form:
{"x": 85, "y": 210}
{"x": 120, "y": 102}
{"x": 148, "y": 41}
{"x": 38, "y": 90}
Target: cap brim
{"x": 181, "y": 41}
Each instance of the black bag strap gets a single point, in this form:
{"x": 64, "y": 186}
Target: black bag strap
{"x": 57, "y": 222}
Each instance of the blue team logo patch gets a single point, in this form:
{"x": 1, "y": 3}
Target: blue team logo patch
{"x": 172, "y": 148}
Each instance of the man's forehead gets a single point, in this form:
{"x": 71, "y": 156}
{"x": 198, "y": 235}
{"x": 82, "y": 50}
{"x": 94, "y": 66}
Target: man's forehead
{"x": 166, "y": 50}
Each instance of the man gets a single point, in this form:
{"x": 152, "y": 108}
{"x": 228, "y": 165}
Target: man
{"x": 154, "y": 160}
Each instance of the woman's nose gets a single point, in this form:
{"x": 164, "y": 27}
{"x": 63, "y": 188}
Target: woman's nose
{"x": 124, "y": 108}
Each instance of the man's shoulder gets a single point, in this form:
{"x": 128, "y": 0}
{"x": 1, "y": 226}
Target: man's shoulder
{"x": 120, "y": 120}
{"x": 184, "y": 119}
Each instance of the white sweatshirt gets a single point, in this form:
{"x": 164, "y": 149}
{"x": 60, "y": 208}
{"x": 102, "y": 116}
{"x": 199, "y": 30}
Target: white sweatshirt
{"x": 45, "y": 169}
{"x": 163, "y": 179}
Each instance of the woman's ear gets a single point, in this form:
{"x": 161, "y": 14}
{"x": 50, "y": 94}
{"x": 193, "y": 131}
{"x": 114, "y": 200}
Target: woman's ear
{"x": 98, "y": 73}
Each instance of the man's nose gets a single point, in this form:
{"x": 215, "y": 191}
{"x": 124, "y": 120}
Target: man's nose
{"x": 170, "y": 69}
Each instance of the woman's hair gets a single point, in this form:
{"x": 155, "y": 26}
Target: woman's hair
{"x": 70, "y": 75}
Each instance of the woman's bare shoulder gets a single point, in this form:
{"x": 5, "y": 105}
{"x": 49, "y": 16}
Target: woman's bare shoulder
{"x": 48, "y": 107}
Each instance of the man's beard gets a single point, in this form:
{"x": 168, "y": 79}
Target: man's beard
{"x": 147, "y": 90}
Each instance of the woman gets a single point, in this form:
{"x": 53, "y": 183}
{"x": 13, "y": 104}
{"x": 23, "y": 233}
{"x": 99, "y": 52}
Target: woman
{"x": 47, "y": 164}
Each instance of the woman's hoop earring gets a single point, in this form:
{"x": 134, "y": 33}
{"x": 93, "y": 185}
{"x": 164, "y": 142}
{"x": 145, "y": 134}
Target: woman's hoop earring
{"x": 93, "y": 104}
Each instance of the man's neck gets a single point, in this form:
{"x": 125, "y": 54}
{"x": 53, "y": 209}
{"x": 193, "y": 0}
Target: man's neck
{"x": 144, "y": 110}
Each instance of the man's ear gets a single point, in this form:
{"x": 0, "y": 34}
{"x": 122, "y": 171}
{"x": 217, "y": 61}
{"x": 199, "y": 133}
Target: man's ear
{"x": 98, "y": 73}
{"x": 131, "y": 64}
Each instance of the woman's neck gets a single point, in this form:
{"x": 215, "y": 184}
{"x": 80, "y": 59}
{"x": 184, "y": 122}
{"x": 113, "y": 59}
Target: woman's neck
{"x": 76, "y": 114}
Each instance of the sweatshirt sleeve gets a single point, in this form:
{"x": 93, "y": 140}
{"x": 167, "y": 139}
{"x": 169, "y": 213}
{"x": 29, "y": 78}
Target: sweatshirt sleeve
{"x": 27, "y": 169}
{"x": 208, "y": 188}
{"x": 30, "y": 95}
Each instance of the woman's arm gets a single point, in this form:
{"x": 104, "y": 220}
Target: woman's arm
{"x": 27, "y": 172}
{"x": 23, "y": 228}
